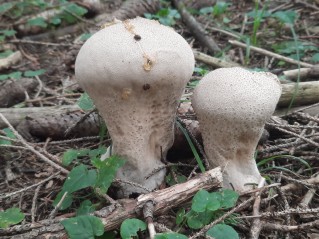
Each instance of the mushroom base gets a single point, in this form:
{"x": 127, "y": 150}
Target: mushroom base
{"x": 241, "y": 177}
{"x": 132, "y": 177}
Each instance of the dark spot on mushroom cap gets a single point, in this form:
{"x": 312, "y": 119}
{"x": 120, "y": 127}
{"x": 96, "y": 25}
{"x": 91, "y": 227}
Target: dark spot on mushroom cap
{"x": 137, "y": 37}
{"x": 146, "y": 86}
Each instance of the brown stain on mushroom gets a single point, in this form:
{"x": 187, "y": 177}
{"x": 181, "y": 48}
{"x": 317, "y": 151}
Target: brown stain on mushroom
{"x": 148, "y": 63}
{"x": 129, "y": 27}
{"x": 119, "y": 131}
{"x": 125, "y": 94}
{"x": 137, "y": 37}
{"x": 146, "y": 86}
{"x": 241, "y": 153}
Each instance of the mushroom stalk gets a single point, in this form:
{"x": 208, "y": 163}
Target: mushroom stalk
{"x": 232, "y": 106}
{"x": 136, "y": 71}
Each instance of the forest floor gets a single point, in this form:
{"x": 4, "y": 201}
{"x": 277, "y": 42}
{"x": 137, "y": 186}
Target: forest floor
{"x": 40, "y": 100}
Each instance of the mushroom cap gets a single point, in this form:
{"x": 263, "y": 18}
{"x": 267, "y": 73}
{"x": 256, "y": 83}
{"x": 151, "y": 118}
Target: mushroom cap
{"x": 232, "y": 106}
{"x": 136, "y": 71}
{"x": 134, "y": 52}
{"x": 238, "y": 93}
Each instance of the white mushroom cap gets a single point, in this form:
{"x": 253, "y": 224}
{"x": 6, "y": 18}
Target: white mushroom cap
{"x": 136, "y": 71}
{"x": 232, "y": 106}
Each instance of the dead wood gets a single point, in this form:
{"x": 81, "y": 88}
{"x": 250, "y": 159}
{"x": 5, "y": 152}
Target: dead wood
{"x": 16, "y": 115}
{"x": 12, "y": 59}
{"x": 54, "y": 126}
{"x": 303, "y": 93}
{"x": 112, "y": 217}
{"x": 130, "y": 9}
{"x": 197, "y": 30}
{"x": 14, "y": 91}
{"x": 306, "y": 74}
{"x": 213, "y": 61}
{"x": 269, "y": 53}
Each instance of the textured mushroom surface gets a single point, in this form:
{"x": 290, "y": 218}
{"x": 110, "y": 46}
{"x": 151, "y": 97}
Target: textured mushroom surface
{"x": 135, "y": 71}
{"x": 232, "y": 106}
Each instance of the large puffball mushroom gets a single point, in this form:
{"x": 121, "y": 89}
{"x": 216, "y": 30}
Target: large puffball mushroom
{"x": 232, "y": 106}
{"x": 136, "y": 71}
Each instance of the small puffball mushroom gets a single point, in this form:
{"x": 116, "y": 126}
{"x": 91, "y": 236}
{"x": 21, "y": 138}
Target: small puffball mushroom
{"x": 232, "y": 106}
{"x": 136, "y": 71}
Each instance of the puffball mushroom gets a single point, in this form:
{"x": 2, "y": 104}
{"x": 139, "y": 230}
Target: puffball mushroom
{"x": 232, "y": 106}
{"x": 136, "y": 71}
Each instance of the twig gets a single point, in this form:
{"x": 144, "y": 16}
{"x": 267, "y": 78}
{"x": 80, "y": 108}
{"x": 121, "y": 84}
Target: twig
{"x": 269, "y": 53}
{"x": 29, "y": 187}
{"x": 213, "y": 61}
{"x": 196, "y": 28}
{"x": 256, "y": 225}
{"x": 29, "y": 147}
{"x": 39, "y": 43}
{"x": 34, "y": 201}
{"x": 148, "y": 211}
{"x": 287, "y": 228}
{"x": 298, "y": 136}
{"x": 55, "y": 210}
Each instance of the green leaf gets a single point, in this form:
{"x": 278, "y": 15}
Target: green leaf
{"x": 203, "y": 201}
{"x": 83, "y": 227}
{"x": 180, "y": 216}
{"x": 5, "y": 7}
{"x": 130, "y": 227}
{"x": 85, "y": 36}
{"x": 106, "y": 171}
{"x": 5, "y": 54}
{"x": 206, "y": 10}
{"x": 197, "y": 220}
{"x": 4, "y": 77}
{"x": 222, "y": 231}
{"x": 39, "y": 21}
{"x": 33, "y": 73}
{"x": 170, "y": 235}
{"x": 85, "y": 208}
{"x": 72, "y": 154}
{"x": 8, "y": 33}
{"x": 85, "y": 102}
{"x": 220, "y": 8}
{"x": 315, "y": 58}
{"x": 12, "y": 75}
{"x": 67, "y": 201}
{"x": 8, "y": 133}
{"x": 55, "y": 20}
{"x": 15, "y": 75}
{"x": 76, "y": 9}
{"x": 10, "y": 217}
{"x": 286, "y": 16}
{"x": 79, "y": 177}
{"x": 228, "y": 198}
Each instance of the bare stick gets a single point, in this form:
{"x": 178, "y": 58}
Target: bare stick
{"x": 29, "y": 147}
{"x": 269, "y": 53}
{"x": 213, "y": 61}
{"x": 256, "y": 225}
{"x": 196, "y": 28}
{"x": 3, "y": 196}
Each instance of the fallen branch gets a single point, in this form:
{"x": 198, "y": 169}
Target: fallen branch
{"x": 112, "y": 217}
{"x": 213, "y": 61}
{"x": 269, "y": 53}
{"x": 196, "y": 28}
{"x": 307, "y": 93}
